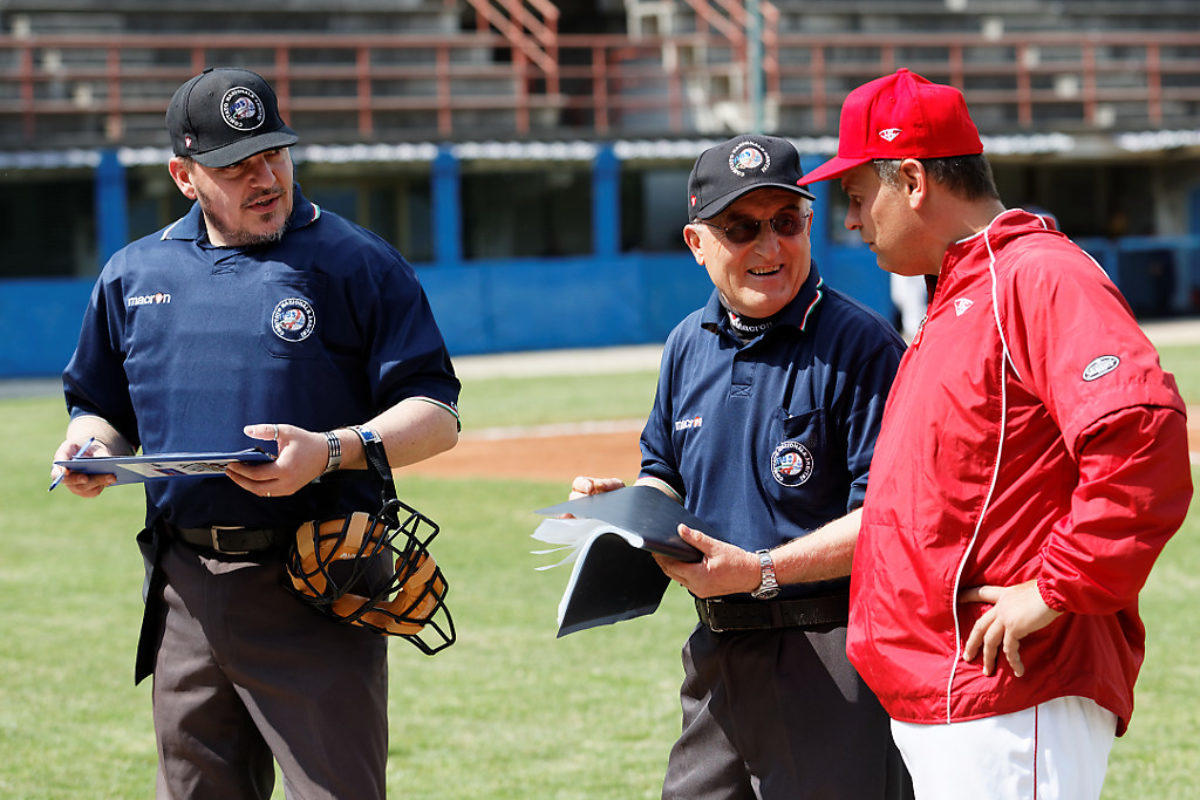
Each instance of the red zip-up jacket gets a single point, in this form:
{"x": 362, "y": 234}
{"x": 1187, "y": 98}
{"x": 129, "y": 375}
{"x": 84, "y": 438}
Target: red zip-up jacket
{"x": 1030, "y": 434}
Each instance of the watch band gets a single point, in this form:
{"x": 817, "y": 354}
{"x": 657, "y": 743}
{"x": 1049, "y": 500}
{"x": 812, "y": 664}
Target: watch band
{"x": 366, "y": 434}
{"x": 768, "y": 587}
{"x": 335, "y": 452}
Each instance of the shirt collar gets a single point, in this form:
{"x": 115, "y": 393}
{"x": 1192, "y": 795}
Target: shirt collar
{"x": 190, "y": 227}
{"x": 796, "y": 314}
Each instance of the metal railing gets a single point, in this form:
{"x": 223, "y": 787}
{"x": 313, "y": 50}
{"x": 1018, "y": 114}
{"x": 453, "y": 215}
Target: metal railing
{"x": 95, "y": 90}
{"x": 90, "y": 90}
{"x": 530, "y": 26}
{"x": 1023, "y": 80}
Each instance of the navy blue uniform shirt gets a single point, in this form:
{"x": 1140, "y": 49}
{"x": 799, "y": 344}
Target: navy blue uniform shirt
{"x": 769, "y": 439}
{"x": 184, "y": 343}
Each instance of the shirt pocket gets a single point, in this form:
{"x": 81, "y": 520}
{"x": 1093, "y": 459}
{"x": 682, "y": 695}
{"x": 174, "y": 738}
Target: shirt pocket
{"x": 291, "y": 309}
{"x": 800, "y": 467}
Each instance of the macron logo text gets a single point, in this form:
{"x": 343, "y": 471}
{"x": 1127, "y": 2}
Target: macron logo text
{"x": 147, "y": 299}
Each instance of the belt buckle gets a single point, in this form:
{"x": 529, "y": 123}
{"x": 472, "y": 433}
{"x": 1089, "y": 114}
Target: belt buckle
{"x": 214, "y": 533}
{"x": 708, "y": 603}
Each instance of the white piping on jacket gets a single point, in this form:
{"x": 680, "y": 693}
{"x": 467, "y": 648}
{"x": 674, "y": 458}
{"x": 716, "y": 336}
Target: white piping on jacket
{"x": 987, "y": 502}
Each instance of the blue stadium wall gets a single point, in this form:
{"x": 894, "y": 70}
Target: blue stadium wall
{"x": 605, "y": 298}
{"x": 602, "y": 299}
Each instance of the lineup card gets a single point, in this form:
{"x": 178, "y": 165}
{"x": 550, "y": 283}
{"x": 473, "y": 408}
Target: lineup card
{"x": 178, "y": 469}
{"x": 137, "y": 469}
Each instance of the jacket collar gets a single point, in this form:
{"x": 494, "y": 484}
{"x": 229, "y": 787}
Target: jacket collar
{"x": 190, "y": 227}
{"x": 1004, "y": 227}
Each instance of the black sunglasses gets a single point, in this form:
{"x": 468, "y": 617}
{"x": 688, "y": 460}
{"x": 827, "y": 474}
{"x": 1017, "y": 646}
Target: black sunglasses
{"x": 747, "y": 230}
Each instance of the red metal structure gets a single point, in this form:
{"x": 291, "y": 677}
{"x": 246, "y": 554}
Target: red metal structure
{"x": 517, "y": 75}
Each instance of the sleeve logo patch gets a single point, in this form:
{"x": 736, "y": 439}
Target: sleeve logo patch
{"x": 1100, "y": 367}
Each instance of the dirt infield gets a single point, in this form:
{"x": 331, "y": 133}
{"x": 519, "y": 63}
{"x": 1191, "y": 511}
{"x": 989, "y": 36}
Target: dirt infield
{"x": 1194, "y": 433}
{"x": 555, "y": 458}
{"x": 558, "y": 457}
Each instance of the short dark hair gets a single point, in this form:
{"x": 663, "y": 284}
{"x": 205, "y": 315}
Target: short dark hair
{"x": 967, "y": 176}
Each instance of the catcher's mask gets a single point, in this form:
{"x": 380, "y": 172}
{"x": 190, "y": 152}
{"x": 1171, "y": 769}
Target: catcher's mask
{"x": 375, "y": 570}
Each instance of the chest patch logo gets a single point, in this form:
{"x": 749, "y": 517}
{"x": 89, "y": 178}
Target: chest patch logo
{"x": 1100, "y": 367}
{"x": 791, "y": 464}
{"x": 690, "y": 422}
{"x": 293, "y": 319}
{"x": 961, "y": 305}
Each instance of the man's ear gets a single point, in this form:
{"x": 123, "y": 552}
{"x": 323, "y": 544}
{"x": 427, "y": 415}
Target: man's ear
{"x": 181, "y": 173}
{"x": 691, "y": 237}
{"x": 914, "y": 182}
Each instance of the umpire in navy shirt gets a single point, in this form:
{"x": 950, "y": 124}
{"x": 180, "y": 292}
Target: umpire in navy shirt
{"x": 769, "y": 401}
{"x": 257, "y": 316}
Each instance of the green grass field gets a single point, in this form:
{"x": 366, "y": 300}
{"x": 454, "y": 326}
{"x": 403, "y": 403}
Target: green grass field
{"x": 509, "y": 711}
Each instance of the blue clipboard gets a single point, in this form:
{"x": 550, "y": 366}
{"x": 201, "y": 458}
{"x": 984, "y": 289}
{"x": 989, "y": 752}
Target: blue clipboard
{"x": 163, "y": 466}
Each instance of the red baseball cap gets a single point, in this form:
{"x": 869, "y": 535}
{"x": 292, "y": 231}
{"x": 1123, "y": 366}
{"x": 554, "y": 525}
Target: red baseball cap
{"x": 901, "y": 115}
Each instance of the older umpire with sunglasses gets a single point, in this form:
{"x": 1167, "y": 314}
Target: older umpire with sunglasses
{"x": 769, "y": 400}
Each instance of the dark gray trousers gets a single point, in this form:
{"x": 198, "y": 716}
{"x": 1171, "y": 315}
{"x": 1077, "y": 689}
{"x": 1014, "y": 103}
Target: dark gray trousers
{"x": 245, "y": 672}
{"x": 776, "y": 714}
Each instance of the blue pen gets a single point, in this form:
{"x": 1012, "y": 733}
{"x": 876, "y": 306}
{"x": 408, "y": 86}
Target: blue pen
{"x": 78, "y": 454}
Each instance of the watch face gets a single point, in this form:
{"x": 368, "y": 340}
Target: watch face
{"x": 768, "y": 586}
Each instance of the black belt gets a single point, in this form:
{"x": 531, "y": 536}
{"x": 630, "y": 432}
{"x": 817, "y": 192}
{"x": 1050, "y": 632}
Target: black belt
{"x": 724, "y": 614}
{"x": 230, "y": 540}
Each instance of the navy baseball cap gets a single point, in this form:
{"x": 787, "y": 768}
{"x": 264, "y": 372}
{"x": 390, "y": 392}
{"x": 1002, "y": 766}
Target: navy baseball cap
{"x": 225, "y": 115}
{"x": 726, "y": 171}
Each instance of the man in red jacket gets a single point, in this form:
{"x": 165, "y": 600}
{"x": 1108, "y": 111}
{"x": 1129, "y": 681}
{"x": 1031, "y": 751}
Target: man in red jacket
{"x": 1031, "y": 466}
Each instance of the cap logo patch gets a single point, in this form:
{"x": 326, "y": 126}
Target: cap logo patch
{"x": 791, "y": 464}
{"x": 241, "y": 109}
{"x": 188, "y": 141}
{"x": 888, "y": 134}
{"x": 747, "y": 157}
{"x": 293, "y": 319}
{"x": 1100, "y": 367}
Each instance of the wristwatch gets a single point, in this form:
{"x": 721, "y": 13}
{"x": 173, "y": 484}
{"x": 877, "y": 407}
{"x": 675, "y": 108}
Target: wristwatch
{"x": 769, "y": 586}
{"x": 366, "y": 434}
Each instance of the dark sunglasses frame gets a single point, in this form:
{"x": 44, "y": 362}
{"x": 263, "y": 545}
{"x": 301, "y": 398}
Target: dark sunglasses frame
{"x": 747, "y": 230}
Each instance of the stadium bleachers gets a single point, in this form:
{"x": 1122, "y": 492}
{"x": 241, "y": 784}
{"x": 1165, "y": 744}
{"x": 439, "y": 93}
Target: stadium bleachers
{"x": 96, "y": 74}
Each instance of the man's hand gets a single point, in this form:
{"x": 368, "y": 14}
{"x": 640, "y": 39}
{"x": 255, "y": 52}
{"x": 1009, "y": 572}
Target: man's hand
{"x": 302, "y": 457}
{"x": 725, "y": 569}
{"x": 583, "y": 486}
{"x": 81, "y": 483}
{"x": 1016, "y": 612}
